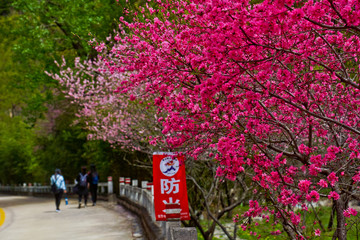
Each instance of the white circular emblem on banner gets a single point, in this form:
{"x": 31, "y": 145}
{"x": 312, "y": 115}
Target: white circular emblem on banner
{"x": 169, "y": 166}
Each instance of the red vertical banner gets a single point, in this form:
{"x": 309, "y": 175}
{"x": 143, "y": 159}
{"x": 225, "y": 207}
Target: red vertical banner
{"x": 169, "y": 184}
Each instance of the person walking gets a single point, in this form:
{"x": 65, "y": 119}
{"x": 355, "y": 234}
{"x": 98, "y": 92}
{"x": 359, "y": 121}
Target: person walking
{"x": 83, "y": 181}
{"x": 93, "y": 180}
{"x": 58, "y": 187}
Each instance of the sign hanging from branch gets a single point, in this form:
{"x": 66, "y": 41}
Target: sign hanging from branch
{"x": 169, "y": 184}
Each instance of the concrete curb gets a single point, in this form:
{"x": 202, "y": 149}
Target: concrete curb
{"x": 151, "y": 230}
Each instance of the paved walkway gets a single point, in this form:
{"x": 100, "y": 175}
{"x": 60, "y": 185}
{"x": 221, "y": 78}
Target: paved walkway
{"x": 35, "y": 218}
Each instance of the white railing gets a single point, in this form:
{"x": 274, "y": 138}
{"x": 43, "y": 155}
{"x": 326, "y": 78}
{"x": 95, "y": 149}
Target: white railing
{"x": 29, "y": 189}
{"x": 141, "y": 196}
{"x": 103, "y": 188}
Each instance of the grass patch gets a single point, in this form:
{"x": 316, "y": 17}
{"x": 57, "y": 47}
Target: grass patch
{"x": 272, "y": 230}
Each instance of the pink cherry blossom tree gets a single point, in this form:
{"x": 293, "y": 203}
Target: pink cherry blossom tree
{"x": 108, "y": 114}
{"x": 272, "y": 88}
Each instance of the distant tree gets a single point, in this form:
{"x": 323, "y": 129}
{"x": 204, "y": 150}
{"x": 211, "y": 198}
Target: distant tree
{"x": 33, "y": 34}
{"x": 16, "y": 147}
{"x": 17, "y": 160}
{"x": 5, "y": 7}
{"x": 48, "y": 30}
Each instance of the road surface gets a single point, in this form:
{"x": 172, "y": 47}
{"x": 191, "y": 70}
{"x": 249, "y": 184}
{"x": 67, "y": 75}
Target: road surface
{"x": 26, "y": 218}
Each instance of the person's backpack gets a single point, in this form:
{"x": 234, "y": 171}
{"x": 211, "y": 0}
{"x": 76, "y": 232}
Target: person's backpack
{"x": 95, "y": 178}
{"x": 83, "y": 180}
{"x": 54, "y": 188}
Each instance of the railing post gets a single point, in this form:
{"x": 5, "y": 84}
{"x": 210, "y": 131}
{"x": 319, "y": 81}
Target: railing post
{"x": 35, "y": 188}
{"x": 121, "y": 187}
{"x": 110, "y": 185}
{"x": 134, "y": 183}
{"x": 127, "y": 181}
{"x": 134, "y": 194}
{"x": 111, "y": 195}
{"x": 150, "y": 188}
{"x": 144, "y": 184}
{"x": 30, "y": 189}
{"x": 143, "y": 188}
{"x": 127, "y": 188}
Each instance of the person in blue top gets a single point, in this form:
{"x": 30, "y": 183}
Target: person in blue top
{"x": 93, "y": 180}
{"x": 58, "y": 180}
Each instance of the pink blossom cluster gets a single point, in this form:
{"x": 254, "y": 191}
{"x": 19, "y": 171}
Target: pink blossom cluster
{"x": 334, "y": 195}
{"x": 254, "y": 209}
{"x": 277, "y": 232}
{"x": 350, "y": 211}
{"x": 313, "y": 196}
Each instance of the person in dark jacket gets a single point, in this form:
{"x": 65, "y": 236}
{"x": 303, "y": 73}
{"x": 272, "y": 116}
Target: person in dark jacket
{"x": 83, "y": 181}
{"x": 93, "y": 180}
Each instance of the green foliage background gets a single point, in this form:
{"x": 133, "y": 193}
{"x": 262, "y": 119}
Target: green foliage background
{"x": 37, "y": 133}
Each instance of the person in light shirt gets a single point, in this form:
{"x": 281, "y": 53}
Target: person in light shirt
{"x": 58, "y": 180}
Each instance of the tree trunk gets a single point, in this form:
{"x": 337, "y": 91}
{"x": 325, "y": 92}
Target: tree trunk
{"x": 340, "y": 229}
{"x": 290, "y": 232}
{"x": 331, "y": 220}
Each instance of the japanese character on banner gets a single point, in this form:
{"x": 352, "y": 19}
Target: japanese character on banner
{"x": 169, "y": 186}
{"x": 170, "y": 201}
